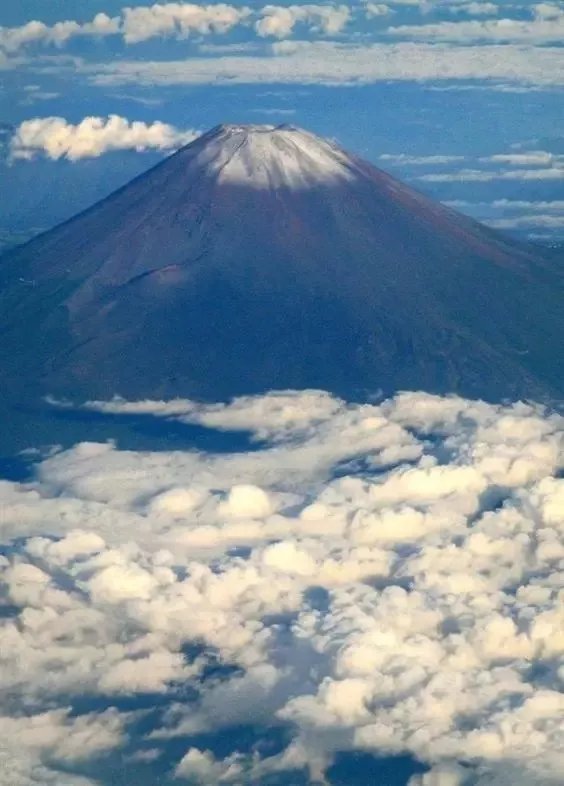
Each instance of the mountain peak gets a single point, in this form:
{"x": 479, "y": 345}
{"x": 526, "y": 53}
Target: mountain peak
{"x": 268, "y": 156}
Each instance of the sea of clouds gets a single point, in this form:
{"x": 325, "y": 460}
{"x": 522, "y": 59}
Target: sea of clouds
{"x": 384, "y": 578}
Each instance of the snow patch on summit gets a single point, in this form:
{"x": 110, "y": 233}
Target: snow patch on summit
{"x": 265, "y": 157}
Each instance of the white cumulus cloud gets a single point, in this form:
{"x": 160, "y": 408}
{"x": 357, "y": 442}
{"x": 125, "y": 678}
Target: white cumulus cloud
{"x": 377, "y": 577}
{"x": 374, "y": 10}
{"x": 279, "y": 21}
{"x": 179, "y": 20}
{"x": 34, "y": 32}
{"x": 56, "y": 138}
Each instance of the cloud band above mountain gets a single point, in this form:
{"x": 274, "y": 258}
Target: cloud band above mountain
{"x": 178, "y": 20}
{"x": 336, "y": 63}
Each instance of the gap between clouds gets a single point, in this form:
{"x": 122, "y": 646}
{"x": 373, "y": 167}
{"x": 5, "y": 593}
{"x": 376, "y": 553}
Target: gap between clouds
{"x": 385, "y": 578}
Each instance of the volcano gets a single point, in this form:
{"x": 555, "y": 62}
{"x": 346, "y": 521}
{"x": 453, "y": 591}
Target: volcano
{"x": 262, "y": 257}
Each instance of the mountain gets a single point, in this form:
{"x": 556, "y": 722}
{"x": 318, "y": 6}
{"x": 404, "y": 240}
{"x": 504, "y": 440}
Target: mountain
{"x": 262, "y": 257}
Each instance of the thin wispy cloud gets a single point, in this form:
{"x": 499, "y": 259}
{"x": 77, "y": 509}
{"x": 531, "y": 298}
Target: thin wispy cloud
{"x": 544, "y": 27}
{"x": 475, "y": 9}
{"x": 513, "y": 204}
{"x": 403, "y": 159}
{"x": 14, "y": 38}
{"x": 529, "y": 221}
{"x": 334, "y": 63}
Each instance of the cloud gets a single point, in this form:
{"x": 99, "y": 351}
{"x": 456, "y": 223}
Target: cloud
{"x": 548, "y": 10}
{"x": 135, "y": 24}
{"x": 527, "y": 166}
{"x": 475, "y": 9}
{"x": 374, "y": 10}
{"x": 33, "y": 96}
{"x": 378, "y": 577}
{"x": 516, "y": 214}
{"x": 55, "y": 138}
{"x": 556, "y": 205}
{"x": 246, "y": 502}
{"x": 484, "y": 176}
{"x": 34, "y": 745}
{"x": 517, "y": 65}
{"x": 279, "y": 21}
{"x": 202, "y": 767}
{"x": 275, "y": 111}
{"x": 420, "y": 4}
{"x": 404, "y": 159}
{"x": 500, "y": 87}
{"x": 14, "y": 38}
{"x": 540, "y": 29}
{"x": 179, "y": 20}
{"x": 274, "y": 416}
{"x": 529, "y": 221}
{"x": 442, "y": 775}
{"x": 333, "y": 63}
{"x": 530, "y": 158}
{"x": 549, "y": 166}
{"x": 452, "y": 6}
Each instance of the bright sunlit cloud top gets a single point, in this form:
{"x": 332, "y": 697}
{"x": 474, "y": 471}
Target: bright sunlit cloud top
{"x": 383, "y": 578}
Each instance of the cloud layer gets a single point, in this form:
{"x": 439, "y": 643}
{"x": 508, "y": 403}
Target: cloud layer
{"x": 546, "y": 25}
{"x": 333, "y": 63}
{"x": 179, "y": 21}
{"x": 466, "y": 45}
{"x": 55, "y": 138}
{"x": 385, "y": 578}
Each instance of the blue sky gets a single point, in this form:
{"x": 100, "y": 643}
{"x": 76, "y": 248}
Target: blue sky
{"x": 435, "y": 91}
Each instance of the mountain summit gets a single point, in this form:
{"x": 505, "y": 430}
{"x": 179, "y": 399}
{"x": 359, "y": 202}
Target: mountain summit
{"x": 270, "y": 157}
{"x": 262, "y": 257}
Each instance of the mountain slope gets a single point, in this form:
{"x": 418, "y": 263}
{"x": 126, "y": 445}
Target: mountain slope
{"x": 260, "y": 257}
